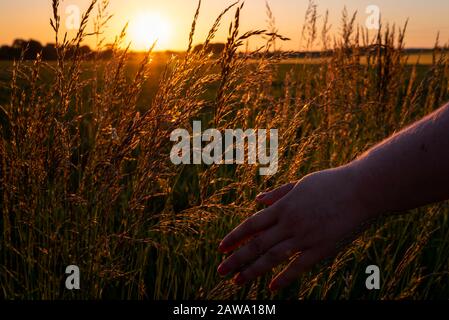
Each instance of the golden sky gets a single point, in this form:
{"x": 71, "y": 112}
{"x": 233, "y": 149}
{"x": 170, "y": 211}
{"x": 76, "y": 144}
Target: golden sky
{"x": 172, "y": 19}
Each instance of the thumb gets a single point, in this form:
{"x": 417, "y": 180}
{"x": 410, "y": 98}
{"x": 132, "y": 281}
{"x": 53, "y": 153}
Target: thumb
{"x": 270, "y": 197}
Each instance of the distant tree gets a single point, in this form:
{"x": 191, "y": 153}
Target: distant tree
{"x": 49, "y": 52}
{"x": 18, "y": 44}
{"x": 85, "y": 50}
{"x": 6, "y": 52}
{"x": 33, "y": 48}
{"x": 215, "y": 48}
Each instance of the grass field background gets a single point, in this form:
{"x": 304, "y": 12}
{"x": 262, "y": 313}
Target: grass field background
{"x": 86, "y": 177}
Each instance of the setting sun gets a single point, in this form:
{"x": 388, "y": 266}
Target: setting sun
{"x": 146, "y": 28}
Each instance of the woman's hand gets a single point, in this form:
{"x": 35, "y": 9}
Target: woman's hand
{"x": 305, "y": 221}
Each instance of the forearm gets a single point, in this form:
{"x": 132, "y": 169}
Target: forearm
{"x": 409, "y": 169}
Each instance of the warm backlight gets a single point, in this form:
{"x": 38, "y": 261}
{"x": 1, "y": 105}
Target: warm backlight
{"x": 146, "y": 28}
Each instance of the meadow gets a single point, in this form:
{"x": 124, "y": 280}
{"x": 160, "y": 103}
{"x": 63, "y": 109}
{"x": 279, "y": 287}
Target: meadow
{"x": 86, "y": 177}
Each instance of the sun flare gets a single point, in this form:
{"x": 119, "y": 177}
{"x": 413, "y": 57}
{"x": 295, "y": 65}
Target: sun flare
{"x": 147, "y": 28}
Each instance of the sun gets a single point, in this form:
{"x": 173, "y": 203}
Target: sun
{"x": 146, "y": 28}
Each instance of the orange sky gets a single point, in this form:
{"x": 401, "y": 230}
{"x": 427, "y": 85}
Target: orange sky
{"x": 30, "y": 19}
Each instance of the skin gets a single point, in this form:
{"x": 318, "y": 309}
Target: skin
{"x": 306, "y": 221}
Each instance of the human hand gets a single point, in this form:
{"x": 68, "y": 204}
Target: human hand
{"x": 305, "y": 221}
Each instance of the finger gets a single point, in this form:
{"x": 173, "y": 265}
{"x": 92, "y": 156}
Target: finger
{"x": 258, "y": 222}
{"x": 270, "y": 197}
{"x": 304, "y": 262}
{"x": 276, "y": 255}
{"x": 254, "y": 248}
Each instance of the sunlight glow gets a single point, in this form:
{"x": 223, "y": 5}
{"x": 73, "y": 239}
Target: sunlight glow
{"x": 146, "y": 28}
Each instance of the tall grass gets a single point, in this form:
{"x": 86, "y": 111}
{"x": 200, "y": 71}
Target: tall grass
{"x": 86, "y": 177}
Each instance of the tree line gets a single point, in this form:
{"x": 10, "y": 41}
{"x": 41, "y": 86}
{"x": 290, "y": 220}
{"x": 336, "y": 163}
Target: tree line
{"x": 32, "y": 48}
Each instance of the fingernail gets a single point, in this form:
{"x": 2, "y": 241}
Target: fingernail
{"x": 222, "y": 248}
{"x": 222, "y": 270}
{"x": 261, "y": 196}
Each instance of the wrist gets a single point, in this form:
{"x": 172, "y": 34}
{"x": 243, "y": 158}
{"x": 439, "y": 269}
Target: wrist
{"x": 363, "y": 189}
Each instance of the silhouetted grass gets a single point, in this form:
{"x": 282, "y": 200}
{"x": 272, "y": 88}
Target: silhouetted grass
{"x": 86, "y": 177}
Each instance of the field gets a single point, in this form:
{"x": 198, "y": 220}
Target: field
{"x": 421, "y": 63}
{"x": 86, "y": 177}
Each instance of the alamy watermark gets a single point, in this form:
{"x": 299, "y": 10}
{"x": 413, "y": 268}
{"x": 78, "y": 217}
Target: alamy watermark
{"x": 73, "y": 17}
{"x": 372, "y": 282}
{"x": 261, "y": 148}
{"x": 72, "y": 282}
{"x": 372, "y": 22}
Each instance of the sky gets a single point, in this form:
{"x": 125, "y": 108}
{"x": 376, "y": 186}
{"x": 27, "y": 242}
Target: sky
{"x": 29, "y": 19}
